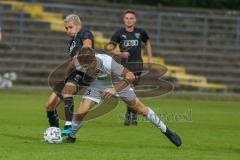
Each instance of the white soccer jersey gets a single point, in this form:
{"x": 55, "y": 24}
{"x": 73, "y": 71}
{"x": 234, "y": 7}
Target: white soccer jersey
{"x": 106, "y": 65}
{"x": 107, "y": 68}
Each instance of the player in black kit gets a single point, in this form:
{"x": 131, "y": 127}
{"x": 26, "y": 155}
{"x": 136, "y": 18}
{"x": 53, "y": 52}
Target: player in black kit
{"x": 80, "y": 37}
{"x": 130, "y": 38}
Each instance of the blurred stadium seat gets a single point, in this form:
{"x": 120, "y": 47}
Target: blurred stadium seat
{"x": 202, "y": 44}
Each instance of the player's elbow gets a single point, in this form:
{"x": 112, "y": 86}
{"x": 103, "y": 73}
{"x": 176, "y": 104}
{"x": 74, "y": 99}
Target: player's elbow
{"x": 130, "y": 76}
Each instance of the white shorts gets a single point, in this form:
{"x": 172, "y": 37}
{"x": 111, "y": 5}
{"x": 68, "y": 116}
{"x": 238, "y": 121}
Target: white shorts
{"x": 94, "y": 94}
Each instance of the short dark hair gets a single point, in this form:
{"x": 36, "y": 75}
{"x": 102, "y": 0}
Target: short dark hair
{"x": 86, "y": 55}
{"x": 129, "y": 11}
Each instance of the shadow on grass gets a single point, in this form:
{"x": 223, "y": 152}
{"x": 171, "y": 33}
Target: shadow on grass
{"x": 110, "y": 144}
{"x": 15, "y": 136}
{"x": 215, "y": 148}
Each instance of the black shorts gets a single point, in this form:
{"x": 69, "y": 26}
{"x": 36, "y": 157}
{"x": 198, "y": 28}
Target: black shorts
{"x": 136, "y": 68}
{"x": 76, "y": 77}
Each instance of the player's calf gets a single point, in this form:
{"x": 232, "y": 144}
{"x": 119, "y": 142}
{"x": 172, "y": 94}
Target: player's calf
{"x": 53, "y": 118}
{"x": 134, "y": 118}
{"x": 127, "y": 119}
{"x": 69, "y": 107}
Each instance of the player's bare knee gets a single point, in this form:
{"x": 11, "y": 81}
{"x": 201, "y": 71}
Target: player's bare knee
{"x": 142, "y": 111}
{"x": 131, "y": 103}
{"x": 50, "y": 106}
{"x": 80, "y": 116}
{"x": 140, "y": 108}
{"x": 130, "y": 76}
{"x": 69, "y": 89}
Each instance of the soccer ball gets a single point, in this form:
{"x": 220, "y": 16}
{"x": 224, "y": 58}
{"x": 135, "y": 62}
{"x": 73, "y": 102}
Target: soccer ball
{"x": 52, "y": 135}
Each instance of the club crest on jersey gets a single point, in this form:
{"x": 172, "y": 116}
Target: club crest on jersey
{"x": 124, "y": 36}
{"x": 137, "y": 35}
{"x": 78, "y": 77}
{"x": 98, "y": 73}
{"x": 73, "y": 45}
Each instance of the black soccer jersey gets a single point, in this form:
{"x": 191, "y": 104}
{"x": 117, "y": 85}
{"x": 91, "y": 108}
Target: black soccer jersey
{"x": 76, "y": 43}
{"x": 131, "y": 42}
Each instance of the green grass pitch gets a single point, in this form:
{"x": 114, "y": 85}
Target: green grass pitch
{"x": 209, "y": 130}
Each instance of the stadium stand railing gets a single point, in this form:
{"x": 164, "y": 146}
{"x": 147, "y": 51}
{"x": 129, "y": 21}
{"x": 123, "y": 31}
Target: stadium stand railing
{"x": 183, "y": 79}
{"x": 168, "y": 42}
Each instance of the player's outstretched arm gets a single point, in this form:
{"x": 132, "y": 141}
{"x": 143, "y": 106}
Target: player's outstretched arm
{"x": 128, "y": 78}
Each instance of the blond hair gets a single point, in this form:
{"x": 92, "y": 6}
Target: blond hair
{"x": 73, "y": 17}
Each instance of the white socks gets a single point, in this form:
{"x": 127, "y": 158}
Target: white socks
{"x": 152, "y": 117}
{"x": 68, "y": 123}
{"x": 76, "y": 125}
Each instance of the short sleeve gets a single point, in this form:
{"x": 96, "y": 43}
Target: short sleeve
{"x": 116, "y": 68}
{"x": 111, "y": 65}
{"x": 144, "y": 36}
{"x": 116, "y": 37}
{"x": 87, "y": 35}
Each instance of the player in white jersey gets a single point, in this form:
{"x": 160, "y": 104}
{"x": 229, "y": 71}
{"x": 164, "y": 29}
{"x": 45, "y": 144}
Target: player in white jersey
{"x": 97, "y": 65}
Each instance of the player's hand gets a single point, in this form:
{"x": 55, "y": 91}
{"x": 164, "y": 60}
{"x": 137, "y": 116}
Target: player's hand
{"x": 124, "y": 54}
{"x": 110, "y": 46}
{"x": 150, "y": 63}
{"x": 107, "y": 93}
